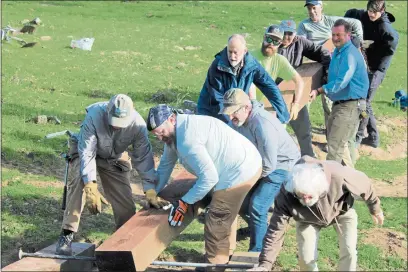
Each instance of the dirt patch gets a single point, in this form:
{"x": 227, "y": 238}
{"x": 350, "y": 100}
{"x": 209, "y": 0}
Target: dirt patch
{"x": 391, "y": 242}
{"x": 396, "y": 121}
{"x": 44, "y": 184}
{"x": 395, "y": 188}
{"x": 393, "y": 152}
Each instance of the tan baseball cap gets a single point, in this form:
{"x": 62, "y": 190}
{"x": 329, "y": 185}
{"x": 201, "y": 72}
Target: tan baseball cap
{"x": 120, "y": 108}
{"x": 234, "y": 99}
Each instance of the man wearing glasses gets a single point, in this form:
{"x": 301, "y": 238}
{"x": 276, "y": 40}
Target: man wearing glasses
{"x": 317, "y": 195}
{"x": 280, "y": 69}
{"x": 235, "y": 67}
{"x": 278, "y": 151}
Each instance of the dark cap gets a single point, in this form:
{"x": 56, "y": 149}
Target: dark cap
{"x": 314, "y": 3}
{"x": 158, "y": 115}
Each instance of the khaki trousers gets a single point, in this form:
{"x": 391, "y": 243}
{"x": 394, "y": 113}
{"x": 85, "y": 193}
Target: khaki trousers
{"x": 342, "y": 128}
{"x": 116, "y": 185}
{"x": 220, "y": 227}
{"x": 307, "y": 237}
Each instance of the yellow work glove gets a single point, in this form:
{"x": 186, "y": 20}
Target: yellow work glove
{"x": 93, "y": 198}
{"x": 294, "y": 111}
{"x": 154, "y": 200}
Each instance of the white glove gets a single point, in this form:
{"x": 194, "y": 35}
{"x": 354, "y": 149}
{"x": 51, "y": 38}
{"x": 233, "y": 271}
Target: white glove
{"x": 367, "y": 43}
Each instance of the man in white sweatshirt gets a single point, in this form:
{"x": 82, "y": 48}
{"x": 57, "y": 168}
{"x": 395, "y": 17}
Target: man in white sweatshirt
{"x": 227, "y": 166}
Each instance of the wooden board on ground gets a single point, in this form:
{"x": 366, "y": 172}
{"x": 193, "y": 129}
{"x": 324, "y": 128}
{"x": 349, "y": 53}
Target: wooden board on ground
{"x": 311, "y": 74}
{"x": 42, "y": 264}
{"x": 243, "y": 258}
{"x": 140, "y": 240}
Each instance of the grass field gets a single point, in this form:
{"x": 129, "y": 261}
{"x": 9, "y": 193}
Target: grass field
{"x": 142, "y": 48}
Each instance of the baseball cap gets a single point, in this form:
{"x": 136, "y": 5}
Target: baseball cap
{"x": 158, "y": 115}
{"x": 314, "y": 3}
{"x": 120, "y": 109}
{"x": 234, "y": 99}
{"x": 274, "y": 30}
{"x": 288, "y": 26}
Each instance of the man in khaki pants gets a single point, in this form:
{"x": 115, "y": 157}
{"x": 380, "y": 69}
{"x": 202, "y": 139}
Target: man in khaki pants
{"x": 225, "y": 163}
{"x": 319, "y": 194}
{"x": 107, "y": 131}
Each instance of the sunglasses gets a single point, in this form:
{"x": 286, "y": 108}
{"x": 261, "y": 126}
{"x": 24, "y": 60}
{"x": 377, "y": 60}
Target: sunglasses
{"x": 273, "y": 41}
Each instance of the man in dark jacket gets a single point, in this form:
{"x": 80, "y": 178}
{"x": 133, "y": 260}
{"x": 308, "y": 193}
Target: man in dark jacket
{"x": 294, "y": 48}
{"x": 384, "y": 40}
{"x": 319, "y": 194}
{"x": 235, "y": 67}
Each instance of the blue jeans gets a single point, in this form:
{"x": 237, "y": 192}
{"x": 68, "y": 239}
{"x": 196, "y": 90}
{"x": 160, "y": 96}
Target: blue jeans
{"x": 255, "y": 207}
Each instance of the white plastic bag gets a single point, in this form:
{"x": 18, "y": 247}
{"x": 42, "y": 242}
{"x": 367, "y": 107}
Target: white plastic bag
{"x": 84, "y": 43}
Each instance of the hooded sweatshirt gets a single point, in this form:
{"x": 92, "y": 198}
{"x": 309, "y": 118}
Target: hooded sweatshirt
{"x": 385, "y": 38}
{"x": 277, "y": 148}
{"x": 344, "y": 182}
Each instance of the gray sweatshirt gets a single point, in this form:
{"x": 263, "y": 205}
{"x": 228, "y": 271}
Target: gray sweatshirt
{"x": 97, "y": 139}
{"x": 277, "y": 148}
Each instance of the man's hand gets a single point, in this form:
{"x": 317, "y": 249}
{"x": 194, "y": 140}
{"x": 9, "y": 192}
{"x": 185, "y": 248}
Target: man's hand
{"x": 154, "y": 200}
{"x": 93, "y": 198}
{"x": 313, "y": 94}
{"x": 378, "y": 218}
{"x": 177, "y": 213}
{"x": 294, "y": 111}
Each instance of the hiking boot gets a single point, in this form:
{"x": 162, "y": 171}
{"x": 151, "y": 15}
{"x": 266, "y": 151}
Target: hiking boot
{"x": 370, "y": 142}
{"x": 64, "y": 244}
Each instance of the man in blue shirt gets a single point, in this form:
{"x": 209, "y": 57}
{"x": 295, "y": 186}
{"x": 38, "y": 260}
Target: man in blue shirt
{"x": 347, "y": 87}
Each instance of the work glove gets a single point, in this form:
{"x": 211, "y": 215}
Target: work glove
{"x": 367, "y": 43}
{"x": 378, "y": 218}
{"x": 177, "y": 213}
{"x": 154, "y": 200}
{"x": 93, "y": 198}
{"x": 294, "y": 111}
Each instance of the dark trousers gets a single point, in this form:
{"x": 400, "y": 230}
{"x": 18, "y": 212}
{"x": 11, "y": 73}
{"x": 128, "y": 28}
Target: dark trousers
{"x": 370, "y": 122}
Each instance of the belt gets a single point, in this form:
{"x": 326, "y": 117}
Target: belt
{"x": 344, "y": 101}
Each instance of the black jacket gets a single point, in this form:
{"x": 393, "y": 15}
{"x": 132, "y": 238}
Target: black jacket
{"x": 385, "y": 38}
{"x": 303, "y": 47}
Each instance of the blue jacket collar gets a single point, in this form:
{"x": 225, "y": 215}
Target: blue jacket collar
{"x": 224, "y": 65}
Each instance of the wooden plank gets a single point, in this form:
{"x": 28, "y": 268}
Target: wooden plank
{"x": 41, "y": 264}
{"x": 311, "y": 74}
{"x": 140, "y": 241}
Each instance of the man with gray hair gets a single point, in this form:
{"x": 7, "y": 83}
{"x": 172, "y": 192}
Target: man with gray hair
{"x": 278, "y": 151}
{"x": 235, "y": 67}
{"x": 319, "y": 194}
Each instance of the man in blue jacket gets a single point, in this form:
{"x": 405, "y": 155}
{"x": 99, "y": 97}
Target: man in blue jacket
{"x": 383, "y": 41}
{"x": 234, "y": 67}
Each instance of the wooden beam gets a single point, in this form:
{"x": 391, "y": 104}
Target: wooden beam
{"x": 311, "y": 74}
{"x": 140, "y": 241}
{"x": 41, "y": 264}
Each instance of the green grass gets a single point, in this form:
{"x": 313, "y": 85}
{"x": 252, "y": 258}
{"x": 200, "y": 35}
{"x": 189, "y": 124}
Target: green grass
{"x": 137, "y": 52}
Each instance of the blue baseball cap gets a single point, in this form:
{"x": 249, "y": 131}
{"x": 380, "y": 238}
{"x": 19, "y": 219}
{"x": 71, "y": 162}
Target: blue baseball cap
{"x": 288, "y": 26}
{"x": 314, "y": 3}
{"x": 158, "y": 115}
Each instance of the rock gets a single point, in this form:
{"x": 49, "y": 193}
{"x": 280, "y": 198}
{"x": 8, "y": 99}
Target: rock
{"x": 45, "y": 38}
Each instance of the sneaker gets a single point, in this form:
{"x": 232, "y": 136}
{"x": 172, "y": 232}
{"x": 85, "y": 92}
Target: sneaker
{"x": 64, "y": 244}
{"x": 370, "y": 142}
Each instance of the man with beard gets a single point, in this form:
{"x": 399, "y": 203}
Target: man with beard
{"x": 234, "y": 67}
{"x": 278, "y": 151}
{"x": 347, "y": 87}
{"x": 317, "y": 195}
{"x": 280, "y": 69}
{"x": 381, "y": 41}
{"x": 225, "y": 163}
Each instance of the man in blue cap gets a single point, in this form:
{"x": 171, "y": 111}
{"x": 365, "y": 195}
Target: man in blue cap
{"x": 226, "y": 164}
{"x": 317, "y": 27}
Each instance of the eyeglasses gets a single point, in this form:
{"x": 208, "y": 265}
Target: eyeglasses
{"x": 288, "y": 33}
{"x": 273, "y": 41}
